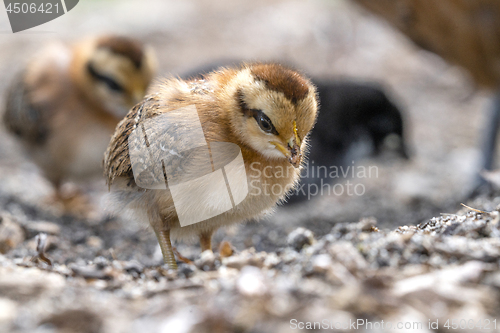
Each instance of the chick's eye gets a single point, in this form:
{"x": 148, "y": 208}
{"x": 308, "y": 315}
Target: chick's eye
{"x": 264, "y": 122}
{"x": 108, "y": 81}
{"x": 112, "y": 84}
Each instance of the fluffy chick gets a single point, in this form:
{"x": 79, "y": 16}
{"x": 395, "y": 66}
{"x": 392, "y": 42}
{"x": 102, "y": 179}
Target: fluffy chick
{"x": 265, "y": 109}
{"x": 357, "y": 120}
{"x": 64, "y": 106}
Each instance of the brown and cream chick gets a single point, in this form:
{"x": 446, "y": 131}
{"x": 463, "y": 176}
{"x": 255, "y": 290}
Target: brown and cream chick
{"x": 65, "y": 104}
{"x": 264, "y": 110}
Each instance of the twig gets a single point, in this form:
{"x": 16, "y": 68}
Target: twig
{"x": 476, "y": 210}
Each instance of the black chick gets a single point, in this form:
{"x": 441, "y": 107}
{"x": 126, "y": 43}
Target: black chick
{"x": 356, "y": 120}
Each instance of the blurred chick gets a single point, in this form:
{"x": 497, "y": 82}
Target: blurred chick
{"x": 357, "y": 120}
{"x": 64, "y": 106}
{"x": 266, "y": 109}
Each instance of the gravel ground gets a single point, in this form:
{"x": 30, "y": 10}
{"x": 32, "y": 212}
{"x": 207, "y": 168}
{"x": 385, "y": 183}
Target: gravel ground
{"x": 445, "y": 268}
{"x": 395, "y": 261}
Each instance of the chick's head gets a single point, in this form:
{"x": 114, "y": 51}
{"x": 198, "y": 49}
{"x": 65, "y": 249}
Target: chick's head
{"x": 114, "y": 71}
{"x": 276, "y": 109}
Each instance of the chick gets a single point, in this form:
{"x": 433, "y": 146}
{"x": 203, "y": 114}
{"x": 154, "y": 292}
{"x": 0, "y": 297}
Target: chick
{"x": 267, "y": 110}
{"x": 64, "y": 106}
{"x": 357, "y": 120}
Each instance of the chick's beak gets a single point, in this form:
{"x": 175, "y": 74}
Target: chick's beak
{"x": 292, "y": 150}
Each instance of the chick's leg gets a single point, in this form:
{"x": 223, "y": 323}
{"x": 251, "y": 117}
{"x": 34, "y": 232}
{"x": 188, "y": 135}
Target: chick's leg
{"x": 166, "y": 248}
{"x": 206, "y": 241}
